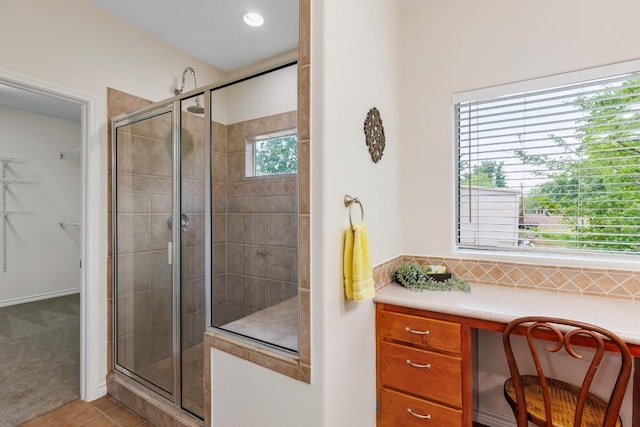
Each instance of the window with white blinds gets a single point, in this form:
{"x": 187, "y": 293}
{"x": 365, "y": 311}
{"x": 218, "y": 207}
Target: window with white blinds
{"x": 556, "y": 169}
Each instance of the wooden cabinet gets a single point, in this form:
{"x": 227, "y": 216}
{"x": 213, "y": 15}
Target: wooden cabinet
{"x": 402, "y": 410}
{"x": 423, "y": 369}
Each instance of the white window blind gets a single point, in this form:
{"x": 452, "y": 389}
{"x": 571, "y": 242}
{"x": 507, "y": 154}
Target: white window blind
{"x": 556, "y": 169}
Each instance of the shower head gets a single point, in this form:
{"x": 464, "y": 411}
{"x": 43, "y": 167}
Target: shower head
{"x": 196, "y": 109}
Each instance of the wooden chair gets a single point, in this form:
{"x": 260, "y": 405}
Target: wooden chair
{"x": 549, "y": 402}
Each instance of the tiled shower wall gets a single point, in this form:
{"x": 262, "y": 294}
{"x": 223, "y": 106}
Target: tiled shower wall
{"x": 261, "y": 226}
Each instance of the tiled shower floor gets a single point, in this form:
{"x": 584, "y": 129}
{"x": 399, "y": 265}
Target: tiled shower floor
{"x": 277, "y": 324}
{"x": 192, "y": 377}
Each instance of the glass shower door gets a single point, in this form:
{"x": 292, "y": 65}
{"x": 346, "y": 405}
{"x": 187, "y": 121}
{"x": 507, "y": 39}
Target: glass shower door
{"x": 193, "y": 172}
{"x": 161, "y": 249}
{"x": 144, "y": 301}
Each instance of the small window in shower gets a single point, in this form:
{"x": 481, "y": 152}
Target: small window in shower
{"x": 272, "y": 154}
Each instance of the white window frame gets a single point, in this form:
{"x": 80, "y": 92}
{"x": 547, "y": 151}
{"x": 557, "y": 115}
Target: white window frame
{"x": 577, "y": 259}
{"x": 250, "y": 152}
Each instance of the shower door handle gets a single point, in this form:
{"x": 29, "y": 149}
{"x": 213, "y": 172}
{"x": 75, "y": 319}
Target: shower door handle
{"x": 184, "y": 222}
{"x": 170, "y": 253}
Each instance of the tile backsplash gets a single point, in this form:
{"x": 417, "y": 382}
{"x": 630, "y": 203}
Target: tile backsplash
{"x": 624, "y": 284}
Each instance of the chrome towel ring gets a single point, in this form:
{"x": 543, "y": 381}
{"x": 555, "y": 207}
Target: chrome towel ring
{"x": 348, "y": 202}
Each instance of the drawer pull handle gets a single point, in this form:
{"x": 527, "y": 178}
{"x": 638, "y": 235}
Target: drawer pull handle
{"x": 424, "y": 417}
{"x": 413, "y": 331}
{"x": 417, "y": 365}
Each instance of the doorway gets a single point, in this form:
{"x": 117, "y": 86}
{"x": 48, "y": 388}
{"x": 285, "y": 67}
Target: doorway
{"x": 82, "y": 227}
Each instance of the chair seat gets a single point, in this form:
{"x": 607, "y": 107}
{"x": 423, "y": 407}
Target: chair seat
{"x": 563, "y": 400}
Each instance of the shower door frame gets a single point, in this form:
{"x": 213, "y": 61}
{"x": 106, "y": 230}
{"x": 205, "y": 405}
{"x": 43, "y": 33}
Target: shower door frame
{"x": 172, "y": 106}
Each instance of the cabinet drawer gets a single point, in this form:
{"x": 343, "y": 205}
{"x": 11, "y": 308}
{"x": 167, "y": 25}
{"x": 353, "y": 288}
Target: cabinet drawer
{"x": 435, "y": 334}
{"x": 400, "y": 410}
{"x": 424, "y": 373}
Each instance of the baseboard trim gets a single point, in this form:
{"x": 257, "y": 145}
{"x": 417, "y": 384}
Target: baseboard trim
{"x": 494, "y": 420}
{"x": 102, "y": 389}
{"x": 39, "y": 297}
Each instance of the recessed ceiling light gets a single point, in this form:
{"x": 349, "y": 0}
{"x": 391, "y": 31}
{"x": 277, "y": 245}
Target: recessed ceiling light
{"x": 253, "y": 19}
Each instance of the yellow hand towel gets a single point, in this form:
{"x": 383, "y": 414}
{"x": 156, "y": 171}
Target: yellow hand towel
{"x": 358, "y": 272}
{"x": 347, "y": 259}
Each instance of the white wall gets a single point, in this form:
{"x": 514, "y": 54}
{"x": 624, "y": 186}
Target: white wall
{"x": 245, "y": 394}
{"x": 461, "y": 45}
{"x": 42, "y": 258}
{"x": 357, "y": 70}
{"x": 76, "y": 45}
{"x": 272, "y": 93}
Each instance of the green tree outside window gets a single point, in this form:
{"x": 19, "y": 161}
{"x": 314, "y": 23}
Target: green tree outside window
{"x": 276, "y": 155}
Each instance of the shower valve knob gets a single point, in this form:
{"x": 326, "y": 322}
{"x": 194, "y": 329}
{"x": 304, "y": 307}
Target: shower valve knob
{"x": 184, "y": 222}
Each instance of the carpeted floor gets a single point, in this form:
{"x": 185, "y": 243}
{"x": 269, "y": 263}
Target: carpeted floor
{"x": 39, "y": 357}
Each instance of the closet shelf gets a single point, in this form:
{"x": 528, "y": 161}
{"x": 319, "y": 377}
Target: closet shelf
{"x": 7, "y": 181}
{"x": 69, "y": 224}
{"x": 7, "y": 160}
{"x": 4, "y": 213}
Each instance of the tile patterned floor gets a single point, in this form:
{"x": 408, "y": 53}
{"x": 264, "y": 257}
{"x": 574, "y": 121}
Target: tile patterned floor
{"x": 103, "y": 412}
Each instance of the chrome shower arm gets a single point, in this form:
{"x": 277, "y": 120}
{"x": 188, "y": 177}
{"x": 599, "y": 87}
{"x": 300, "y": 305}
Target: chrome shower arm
{"x": 197, "y": 109}
{"x": 184, "y": 73}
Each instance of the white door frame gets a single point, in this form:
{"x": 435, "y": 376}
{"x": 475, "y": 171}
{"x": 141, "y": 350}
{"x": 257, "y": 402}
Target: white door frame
{"x": 92, "y": 381}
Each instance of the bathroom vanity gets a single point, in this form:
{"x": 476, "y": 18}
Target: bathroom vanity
{"x": 425, "y": 345}
{"x": 415, "y": 348}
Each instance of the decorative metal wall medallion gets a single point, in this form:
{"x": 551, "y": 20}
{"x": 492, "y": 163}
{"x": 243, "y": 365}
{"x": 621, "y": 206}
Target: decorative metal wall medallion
{"x": 374, "y": 134}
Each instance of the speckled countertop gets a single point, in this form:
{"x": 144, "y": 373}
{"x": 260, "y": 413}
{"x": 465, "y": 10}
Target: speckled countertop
{"x": 503, "y": 304}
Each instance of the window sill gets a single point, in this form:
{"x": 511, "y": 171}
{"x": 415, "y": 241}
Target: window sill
{"x": 596, "y": 261}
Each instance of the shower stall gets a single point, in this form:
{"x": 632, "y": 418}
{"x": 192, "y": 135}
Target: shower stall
{"x": 161, "y": 229}
{"x": 205, "y": 230}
